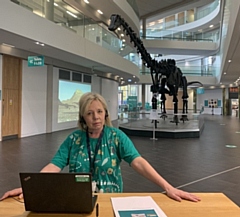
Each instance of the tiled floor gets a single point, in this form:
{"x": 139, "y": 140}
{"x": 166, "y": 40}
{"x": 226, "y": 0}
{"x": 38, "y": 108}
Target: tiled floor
{"x": 210, "y": 163}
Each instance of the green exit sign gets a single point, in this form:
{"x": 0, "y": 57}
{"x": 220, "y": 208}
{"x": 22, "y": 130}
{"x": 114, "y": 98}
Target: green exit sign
{"x": 36, "y": 61}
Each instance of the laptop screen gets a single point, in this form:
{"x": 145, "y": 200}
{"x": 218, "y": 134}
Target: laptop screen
{"x": 58, "y": 192}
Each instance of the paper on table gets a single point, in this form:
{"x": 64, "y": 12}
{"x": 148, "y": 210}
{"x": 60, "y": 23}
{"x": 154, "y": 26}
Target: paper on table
{"x": 145, "y": 204}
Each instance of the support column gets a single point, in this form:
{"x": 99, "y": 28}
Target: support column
{"x": 176, "y": 20}
{"x": 195, "y": 14}
{"x": 144, "y": 30}
{"x": 226, "y": 102}
{"x": 49, "y": 10}
{"x": 238, "y": 102}
{"x": 224, "y": 108}
{"x": 49, "y": 98}
{"x": 185, "y": 17}
{"x": 195, "y": 100}
{"x": 143, "y": 95}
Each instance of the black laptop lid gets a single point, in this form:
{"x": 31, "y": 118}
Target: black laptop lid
{"x": 58, "y": 192}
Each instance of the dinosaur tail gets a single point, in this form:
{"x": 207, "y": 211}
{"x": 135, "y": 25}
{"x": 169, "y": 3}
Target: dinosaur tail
{"x": 195, "y": 82}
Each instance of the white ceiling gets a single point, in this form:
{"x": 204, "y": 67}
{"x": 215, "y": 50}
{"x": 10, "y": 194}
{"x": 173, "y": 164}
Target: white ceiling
{"x": 146, "y": 8}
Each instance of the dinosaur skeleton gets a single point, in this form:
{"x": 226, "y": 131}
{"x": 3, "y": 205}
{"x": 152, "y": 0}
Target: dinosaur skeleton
{"x": 164, "y": 73}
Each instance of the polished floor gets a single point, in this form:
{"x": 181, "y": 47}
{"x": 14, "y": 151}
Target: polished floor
{"x": 210, "y": 163}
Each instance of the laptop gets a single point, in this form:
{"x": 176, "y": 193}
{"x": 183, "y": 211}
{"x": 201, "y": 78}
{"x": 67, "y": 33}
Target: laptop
{"x": 58, "y": 192}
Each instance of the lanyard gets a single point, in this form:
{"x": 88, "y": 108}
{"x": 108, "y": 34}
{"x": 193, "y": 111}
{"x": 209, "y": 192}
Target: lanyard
{"x": 91, "y": 161}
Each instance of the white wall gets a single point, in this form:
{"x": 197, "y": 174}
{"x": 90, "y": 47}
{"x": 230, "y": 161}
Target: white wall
{"x": 210, "y": 94}
{"x": 108, "y": 89}
{"x": 179, "y": 47}
{"x": 110, "y": 93}
{"x": 1, "y": 97}
{"x": 34, "y": 96}
{"x": 97, "y": 87}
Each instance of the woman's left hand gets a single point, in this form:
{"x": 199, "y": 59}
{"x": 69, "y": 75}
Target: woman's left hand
{"x": 146, "y": 170}
{"x": 178, "y": 195}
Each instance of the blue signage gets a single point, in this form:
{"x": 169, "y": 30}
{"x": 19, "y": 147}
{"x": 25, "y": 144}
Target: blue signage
{"x": 132, "y": 103}
{"x": 200, "y": 90}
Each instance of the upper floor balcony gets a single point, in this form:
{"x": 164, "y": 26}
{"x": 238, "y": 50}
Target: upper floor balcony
{"x": 177, "y": 41}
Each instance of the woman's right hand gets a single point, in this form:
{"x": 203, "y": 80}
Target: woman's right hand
{"x": 12, "y": 193}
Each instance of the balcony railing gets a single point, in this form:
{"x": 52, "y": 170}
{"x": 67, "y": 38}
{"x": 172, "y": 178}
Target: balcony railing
{"x": 204, "y": 70}
{"x": 76, "y": 22}
{"x": 176, "y": 20}
{"x": 98, "y": 33}
{"x": 184, "y": 36}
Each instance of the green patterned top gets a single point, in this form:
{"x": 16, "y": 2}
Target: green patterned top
{"x": 114, "y": 147}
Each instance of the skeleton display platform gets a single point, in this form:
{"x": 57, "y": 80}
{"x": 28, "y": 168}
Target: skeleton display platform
{"x": 145, "y": 127}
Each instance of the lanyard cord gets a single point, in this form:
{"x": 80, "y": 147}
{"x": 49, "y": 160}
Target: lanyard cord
{"x": 91, "y": 161}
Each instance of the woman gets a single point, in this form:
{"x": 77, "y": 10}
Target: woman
{"x": 98, "y": 148}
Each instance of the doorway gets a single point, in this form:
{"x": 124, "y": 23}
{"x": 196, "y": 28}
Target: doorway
{"x": 11, "y": 97}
